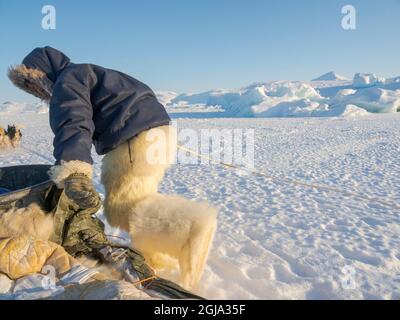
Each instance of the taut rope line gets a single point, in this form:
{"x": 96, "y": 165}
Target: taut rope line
{"x": 296, "y": 182}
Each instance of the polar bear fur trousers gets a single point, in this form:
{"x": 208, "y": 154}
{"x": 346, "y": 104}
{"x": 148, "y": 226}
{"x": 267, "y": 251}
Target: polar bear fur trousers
{"x": 158, "y": 224}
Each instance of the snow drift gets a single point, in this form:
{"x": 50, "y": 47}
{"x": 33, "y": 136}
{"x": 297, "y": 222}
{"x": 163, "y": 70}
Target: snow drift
{"x": 326, "y": 96}
{"x": 375, "y": 100}
{"x": 365, "y": 80}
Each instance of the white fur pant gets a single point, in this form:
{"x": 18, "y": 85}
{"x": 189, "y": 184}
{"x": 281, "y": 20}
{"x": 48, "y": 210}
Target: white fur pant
{"x": 158, "y": 224}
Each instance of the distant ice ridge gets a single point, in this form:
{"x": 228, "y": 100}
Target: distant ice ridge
{"x": 326, "y": 96}
{"x": 297, "y": 99}
{"x": 165, "y": 97}
{"x": 9, "y": 107}
{"x": 375, "y": 100}
{"x": 365, "y": 80}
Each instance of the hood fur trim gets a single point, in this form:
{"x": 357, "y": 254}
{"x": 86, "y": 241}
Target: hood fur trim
{"x": 61, "y": 172}
{"x": 32, "y": 81}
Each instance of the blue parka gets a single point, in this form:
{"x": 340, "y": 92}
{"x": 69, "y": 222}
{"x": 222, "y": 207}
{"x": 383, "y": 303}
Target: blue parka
{"x": 90, "y": 104}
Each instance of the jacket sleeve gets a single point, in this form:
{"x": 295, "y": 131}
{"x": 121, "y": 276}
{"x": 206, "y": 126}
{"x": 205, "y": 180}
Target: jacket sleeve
{"x": 71, "y": 119}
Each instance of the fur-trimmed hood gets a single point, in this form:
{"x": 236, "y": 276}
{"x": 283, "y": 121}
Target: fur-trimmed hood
{"x": 88, "y": 104}
{"x": 39, "y": 71}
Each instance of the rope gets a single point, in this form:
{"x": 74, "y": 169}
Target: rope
{"x": 297, "y": 182}
{"x": 144, "y": 280}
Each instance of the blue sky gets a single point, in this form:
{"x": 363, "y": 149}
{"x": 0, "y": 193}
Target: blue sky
{"x": 190, "y": 46}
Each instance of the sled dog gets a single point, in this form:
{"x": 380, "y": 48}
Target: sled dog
{"x": 3, "y": 138}
{"x": 14, "y": 135}
{"x": 10, "y": 137}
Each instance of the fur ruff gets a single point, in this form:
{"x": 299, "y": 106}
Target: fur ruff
{"x": 31, "y": 221}
{"x": 59, "y": 173}
{"x": 32, "y": 81}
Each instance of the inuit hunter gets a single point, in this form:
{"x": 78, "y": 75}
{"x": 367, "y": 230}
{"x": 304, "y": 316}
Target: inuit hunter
{"x": 121, "y": 116}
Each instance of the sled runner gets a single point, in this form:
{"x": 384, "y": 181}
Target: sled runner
{"x": 78, "y": 231}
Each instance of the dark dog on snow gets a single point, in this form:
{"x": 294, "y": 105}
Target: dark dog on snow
{"x": 10, "y": 137}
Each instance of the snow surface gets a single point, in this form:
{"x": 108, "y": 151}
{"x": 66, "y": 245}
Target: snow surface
{"x": 276, "y": 240}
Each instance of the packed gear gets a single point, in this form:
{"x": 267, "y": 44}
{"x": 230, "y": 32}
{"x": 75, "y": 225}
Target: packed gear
{"x": 78, "y": 230}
